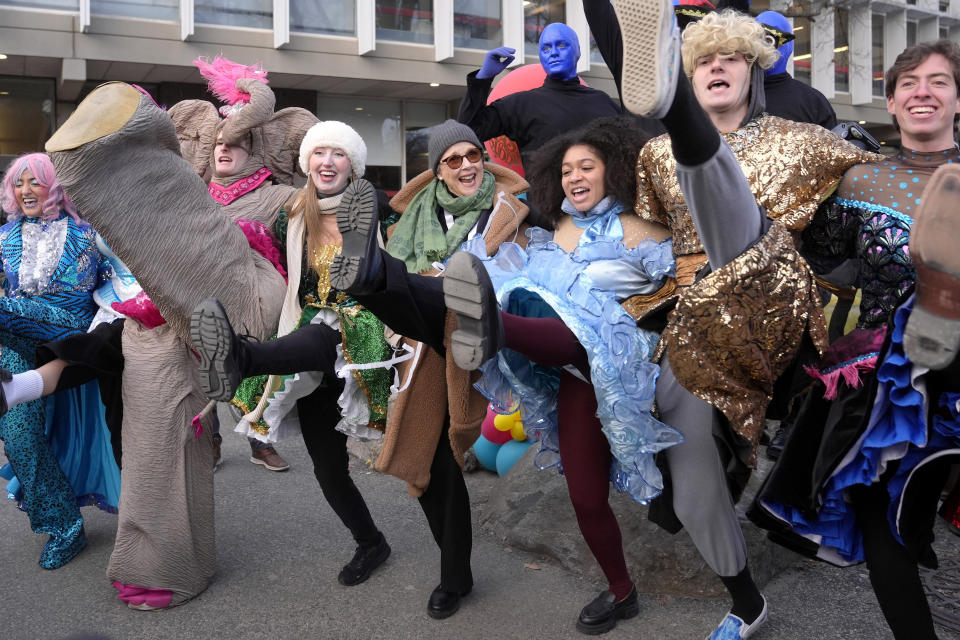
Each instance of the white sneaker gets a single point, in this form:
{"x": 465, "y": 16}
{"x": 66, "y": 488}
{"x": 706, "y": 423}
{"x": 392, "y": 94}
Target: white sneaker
{"x": 651, "y": 55}
{"x": 734, "y": 628}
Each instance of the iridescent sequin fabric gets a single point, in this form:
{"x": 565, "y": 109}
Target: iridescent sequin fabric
{"x": 869, "y": 219}
{"x": 791, "y": 168}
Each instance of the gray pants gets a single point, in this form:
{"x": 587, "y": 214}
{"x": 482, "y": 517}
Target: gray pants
{"x": 729, "y": 221}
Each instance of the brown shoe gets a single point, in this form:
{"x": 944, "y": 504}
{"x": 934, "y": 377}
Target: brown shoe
{"x": 216, "y": 442}
{"x": 270, "y": 459}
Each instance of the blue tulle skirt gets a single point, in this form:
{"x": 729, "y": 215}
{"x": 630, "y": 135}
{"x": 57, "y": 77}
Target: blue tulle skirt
{"x": 546, "y": 281}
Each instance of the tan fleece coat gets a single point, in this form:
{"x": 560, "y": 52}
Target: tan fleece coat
{"x": 416, "y": 419}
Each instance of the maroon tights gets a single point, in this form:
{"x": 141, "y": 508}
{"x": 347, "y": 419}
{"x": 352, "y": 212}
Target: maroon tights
{"x": 583, "y": 447}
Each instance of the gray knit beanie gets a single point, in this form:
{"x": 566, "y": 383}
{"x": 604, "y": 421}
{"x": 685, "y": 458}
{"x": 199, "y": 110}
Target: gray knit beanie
{"x": 445, "y": 135}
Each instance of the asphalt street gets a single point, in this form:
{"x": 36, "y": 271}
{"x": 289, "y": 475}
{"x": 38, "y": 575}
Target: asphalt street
{"x": 280, "y": 548}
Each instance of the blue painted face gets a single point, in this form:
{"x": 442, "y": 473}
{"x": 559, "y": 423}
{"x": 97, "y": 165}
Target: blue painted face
{"x": 559, "y": 51}
{"x": 778, "y": 21}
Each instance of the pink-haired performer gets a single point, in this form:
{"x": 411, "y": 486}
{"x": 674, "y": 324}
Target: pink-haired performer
{"x": 50, "y": 267}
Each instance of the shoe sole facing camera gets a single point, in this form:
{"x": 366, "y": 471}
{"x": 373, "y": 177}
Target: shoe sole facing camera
{"x": 650, "y": 55}
{"x": 210, "y": 331}
{"x": 466, "y": 289}
{"x": 357, "y": 223}
{"x": 932, "y": 335}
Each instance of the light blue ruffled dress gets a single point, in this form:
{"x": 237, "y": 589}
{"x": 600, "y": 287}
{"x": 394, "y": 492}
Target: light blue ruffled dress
{"x": 584, "y": 289}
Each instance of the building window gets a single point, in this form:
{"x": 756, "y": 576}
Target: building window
{"x": 944, "y": 33}
{"x": 405, "y": 20}
{"x": 944, "y": 5}
{"x": 62, "y": 5}
{"x": 911, "y": 33}
{"x": 801, "y": 49}
{"x": 27, "y": 116}
{"x": 841, "y": 50}
{"x": 257, "y": 14}
{"x": 536, "y": 15}
{"x": 378, "y": 123}
{"x": 151, "y": 9}
{"x": 336, "y": 18}
{"x": 476, "y": 24}
{"x": 877, "y": 69}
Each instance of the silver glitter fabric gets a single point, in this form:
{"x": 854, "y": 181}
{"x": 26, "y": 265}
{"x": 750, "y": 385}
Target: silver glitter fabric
{"x": 42, "y": 248}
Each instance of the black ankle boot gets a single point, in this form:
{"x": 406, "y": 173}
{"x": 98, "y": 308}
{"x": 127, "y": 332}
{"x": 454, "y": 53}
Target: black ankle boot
{"x": 359, "y": 268}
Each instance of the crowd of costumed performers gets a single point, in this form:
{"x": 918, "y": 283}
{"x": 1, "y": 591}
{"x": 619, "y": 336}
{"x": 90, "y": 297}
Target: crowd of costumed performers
{"x": 667, "y": 273}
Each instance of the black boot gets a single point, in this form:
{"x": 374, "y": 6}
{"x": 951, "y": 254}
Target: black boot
{"x": 443, "y": 604}
{"x": 779, "y": 441}
{"x": 468, "y": 292}
{"x": 222, "y": 352}
{"x": 359, "y": 268}
{"x": 364, "y": 561}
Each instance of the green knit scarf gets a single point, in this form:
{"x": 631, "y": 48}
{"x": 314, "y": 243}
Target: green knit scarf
{"x": 418, "y": 238}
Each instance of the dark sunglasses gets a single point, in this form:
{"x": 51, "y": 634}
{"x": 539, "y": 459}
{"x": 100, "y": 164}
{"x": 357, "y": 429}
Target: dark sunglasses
{"x": 454, "y": 161}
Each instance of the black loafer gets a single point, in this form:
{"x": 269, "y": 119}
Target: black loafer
{"x": 443, "y": 604}
{"x": 468, "y": 292}
{"x": 364, "y": 561}
{"x": 602, "y": 614}
{"x": 358, "y": 267}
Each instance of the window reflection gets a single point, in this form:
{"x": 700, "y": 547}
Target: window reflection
{"x": 476, "y": 24}
{"x": 317, "y": 16}
{"x": 378, "y": 123}
{"x": 841, "y": 50}
{"x": 151, "y": 9}
{"x": 878, "y": 22}
{"x": 235, "y": 13}
{"x": 63, "y": 5}
{"x": 405, "y": 20}
{"x": 801, "y": 49}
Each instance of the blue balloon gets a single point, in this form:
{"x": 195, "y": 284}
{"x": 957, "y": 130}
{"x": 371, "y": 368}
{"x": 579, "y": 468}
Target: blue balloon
{"x": 486, "y": 453}
{"x": 509, "y": 454}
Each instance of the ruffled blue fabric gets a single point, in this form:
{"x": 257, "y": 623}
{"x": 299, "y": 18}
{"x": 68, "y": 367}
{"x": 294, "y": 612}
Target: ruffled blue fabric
{"x": 898, "y": 431}
{"x": 546, "y": 281}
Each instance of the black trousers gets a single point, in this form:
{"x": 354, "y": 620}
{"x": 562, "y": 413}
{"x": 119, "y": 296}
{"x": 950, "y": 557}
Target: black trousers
{"x": 413, "y": 306}
{"x": 313, "y": 348}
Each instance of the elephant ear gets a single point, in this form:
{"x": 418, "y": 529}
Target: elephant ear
{"x": 254, "y": 114}
{"x": 281, "y": 139}
{"x": 196, "y": 123}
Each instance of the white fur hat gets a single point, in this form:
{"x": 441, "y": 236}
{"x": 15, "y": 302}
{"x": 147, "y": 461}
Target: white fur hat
{"x": 332, "y": 133}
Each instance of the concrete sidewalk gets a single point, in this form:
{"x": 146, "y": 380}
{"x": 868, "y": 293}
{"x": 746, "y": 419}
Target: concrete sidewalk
{"x": 280, "y": 548}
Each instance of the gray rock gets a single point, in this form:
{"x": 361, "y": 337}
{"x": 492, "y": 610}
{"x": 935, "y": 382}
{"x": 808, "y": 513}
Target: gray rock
{"x": 530, "y": 510}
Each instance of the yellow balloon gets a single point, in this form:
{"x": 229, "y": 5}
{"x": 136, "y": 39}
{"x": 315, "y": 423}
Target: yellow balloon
{"x": 504, "y": 422}
{"x": 517, "y": 431}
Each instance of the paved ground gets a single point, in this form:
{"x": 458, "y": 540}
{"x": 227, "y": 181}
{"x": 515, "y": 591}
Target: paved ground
{"x": 280, "y": 548}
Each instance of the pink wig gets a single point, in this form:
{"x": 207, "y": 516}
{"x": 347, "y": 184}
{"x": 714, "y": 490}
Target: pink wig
{"x": 42, "y": 169}
{"x": 222, "y": 76}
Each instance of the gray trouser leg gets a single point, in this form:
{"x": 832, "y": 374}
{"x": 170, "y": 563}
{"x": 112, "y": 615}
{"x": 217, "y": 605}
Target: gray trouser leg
{"x": 701, "y": 499}
{"x": 724, "y": 210}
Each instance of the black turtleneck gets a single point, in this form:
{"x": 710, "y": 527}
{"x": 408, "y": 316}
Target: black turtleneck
{"x": 531, "y": 118}
{"x": 790, "y": 99}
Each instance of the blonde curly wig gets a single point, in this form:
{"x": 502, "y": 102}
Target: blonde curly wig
{"x": 727, "y": 32}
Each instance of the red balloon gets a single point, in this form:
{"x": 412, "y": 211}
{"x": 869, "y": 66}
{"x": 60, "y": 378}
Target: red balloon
{"x": 490, "y": 432}
{"x": 502, "y": 149}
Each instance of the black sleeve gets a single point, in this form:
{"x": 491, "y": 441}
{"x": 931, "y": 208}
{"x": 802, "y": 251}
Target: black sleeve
{"x": 485, "y": 120}
{"x": 827, "y": 116}
{"x": 606, "y": 32}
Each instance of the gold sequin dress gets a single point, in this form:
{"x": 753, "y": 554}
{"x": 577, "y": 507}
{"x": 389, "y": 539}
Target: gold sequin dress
{"x": 735, "y": 330}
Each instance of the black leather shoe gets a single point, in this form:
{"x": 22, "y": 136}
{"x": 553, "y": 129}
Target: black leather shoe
{"x": 602, "y": 614}
{"x": 358, "y": 268}
{"x": 221, "y": 350}
{"x": 779, "y": 441}
{"x": 443, "y": 604}
{"x": 5, "y": 376}
{"x": 364, "y": 561}
{"x": 468, "y": 292}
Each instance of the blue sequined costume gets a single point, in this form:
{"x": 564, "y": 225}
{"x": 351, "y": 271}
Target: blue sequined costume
{"x": 584, "y": 289}
{"x": 867, "y": 222}
{"x": 58, "y": 447}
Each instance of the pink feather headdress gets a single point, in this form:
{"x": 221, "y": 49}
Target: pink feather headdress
{"x": 222, "y": 76}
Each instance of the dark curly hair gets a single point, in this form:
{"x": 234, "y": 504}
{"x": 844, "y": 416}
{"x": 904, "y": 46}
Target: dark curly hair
{"x": 617, "y": 140}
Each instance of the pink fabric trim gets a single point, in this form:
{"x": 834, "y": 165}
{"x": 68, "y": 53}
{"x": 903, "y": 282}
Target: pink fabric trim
{"x": 850, "y": 374}
{"x": 264, "y": 242}
{"x": 131, "y": 594}
{"x": 197, "y": 425}
{"x": 243, "y": 186}
{"x": 141, "y": 309}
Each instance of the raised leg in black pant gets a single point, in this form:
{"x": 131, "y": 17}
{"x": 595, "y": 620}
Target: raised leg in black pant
{"x": 328, "y": 450}
{"x": 312, "y": 347}
{"x": 446, "y": 504}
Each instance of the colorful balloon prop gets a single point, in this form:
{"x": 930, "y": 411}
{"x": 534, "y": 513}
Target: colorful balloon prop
{"x": 509, "y": 453}
{"x": 502, "y": 441}
{"x": 502, "y": 149}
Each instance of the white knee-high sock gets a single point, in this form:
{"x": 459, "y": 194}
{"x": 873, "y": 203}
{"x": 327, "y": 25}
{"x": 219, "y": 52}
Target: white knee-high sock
{"x": 24, "y": 387}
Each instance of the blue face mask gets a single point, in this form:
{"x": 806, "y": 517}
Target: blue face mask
{"x": 778, "y": 21}
{"x": 559, "y": 51}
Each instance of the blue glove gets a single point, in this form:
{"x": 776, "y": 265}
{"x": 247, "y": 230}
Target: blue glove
{"x": 495, "y": 61}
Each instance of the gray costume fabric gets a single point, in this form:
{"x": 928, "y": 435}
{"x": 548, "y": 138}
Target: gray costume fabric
{"x": 729, "y": 221}
{"x": 158, "y": 218}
